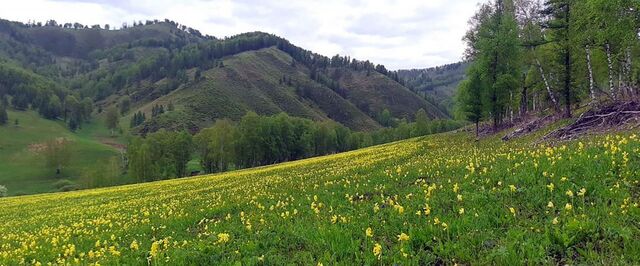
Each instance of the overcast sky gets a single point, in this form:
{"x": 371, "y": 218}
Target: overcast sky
{"x": 400, "y": 34}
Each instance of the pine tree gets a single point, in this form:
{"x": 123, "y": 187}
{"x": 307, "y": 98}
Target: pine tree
{"x": 469, "y": 98}
{"x": 494, "y": 48}
{"x": 561, "y": 26}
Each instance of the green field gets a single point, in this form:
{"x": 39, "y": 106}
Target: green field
{"x": 23, "y": 170}
{"x": 442, "y": 199}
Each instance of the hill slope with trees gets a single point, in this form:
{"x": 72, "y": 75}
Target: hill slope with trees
{"x": 160, "y": 62}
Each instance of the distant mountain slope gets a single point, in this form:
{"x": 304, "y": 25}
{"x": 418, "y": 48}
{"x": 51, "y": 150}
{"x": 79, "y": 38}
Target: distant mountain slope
{"x": 252, "y": 81}
{"x": 204, "y": 78}
{"x": 438, "y": 84}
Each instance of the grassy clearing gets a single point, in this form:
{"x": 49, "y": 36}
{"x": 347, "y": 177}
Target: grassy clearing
{"x": 23, "y": 171}
{"x": 438, "y": 199}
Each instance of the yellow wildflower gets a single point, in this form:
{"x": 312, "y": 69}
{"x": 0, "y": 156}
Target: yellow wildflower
{"x": 369, "y": 232}
{"x": 569, "y": 193}
{"x": 582, "y": 192}
{"x": 155, "y": 248}
{"x": 568, "y": 207}
{"x": 377, "y": 250}
{"x": 223, "y": 238}
{"x": 403, "y": 237}
{"x": 551, "y": 186}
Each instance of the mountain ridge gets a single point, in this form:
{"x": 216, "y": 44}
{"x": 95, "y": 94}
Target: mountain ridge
{"x": 150, "y": 61}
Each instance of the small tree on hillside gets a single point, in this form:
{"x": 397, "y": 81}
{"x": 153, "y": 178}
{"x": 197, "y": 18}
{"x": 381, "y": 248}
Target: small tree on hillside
{"x": 422, "y": 123}
{"x": 57, "y": 153}
{"x": 469, "y": 98}
{"x": 385, "y": 118}
{"x": 125, "y": 105}
{"x": 3, "y": 191}
{"x": 112, "y": 119}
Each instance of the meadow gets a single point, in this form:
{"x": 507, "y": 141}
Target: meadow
{"x": 23, "y": 170}
{"x": 441, "y": 199}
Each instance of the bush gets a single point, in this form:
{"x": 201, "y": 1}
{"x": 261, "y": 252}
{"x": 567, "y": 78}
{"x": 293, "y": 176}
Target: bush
{"x": 3, "y": 191}
{"x": 69, "y": 188}
{"x": 64, "y": 185}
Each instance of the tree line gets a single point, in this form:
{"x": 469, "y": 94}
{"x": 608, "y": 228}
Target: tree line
{"x": 260, "y": 140}
{"x": 531, "y": 55}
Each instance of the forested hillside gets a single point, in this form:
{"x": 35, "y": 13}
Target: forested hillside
{"x": 162, "y": 62}
{"x": 554, "y": 56}
{"x": 156, "y": 85}
{"x": 436, "y": 84}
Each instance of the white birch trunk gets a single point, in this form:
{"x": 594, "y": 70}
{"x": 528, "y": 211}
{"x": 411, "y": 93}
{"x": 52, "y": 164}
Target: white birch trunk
{"x": 592, "y": 92}
{"x": 546, "y": 84}
{"x": 610, "y": 66}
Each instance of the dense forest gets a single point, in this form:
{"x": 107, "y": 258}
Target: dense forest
{"x": 554, "y": 55}
{"x": 257, "y": 140}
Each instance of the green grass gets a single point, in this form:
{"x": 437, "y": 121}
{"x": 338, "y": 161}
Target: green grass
{"x": 23, "y": 171}
{"x": 457, "y": 200}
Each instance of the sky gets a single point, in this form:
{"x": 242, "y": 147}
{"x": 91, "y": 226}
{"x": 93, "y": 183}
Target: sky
{"x": 400, "y": 34}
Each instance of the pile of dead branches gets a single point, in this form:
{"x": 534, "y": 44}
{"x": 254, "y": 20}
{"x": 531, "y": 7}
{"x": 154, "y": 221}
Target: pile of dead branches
{"x": 530, "y": 126}
{"x": 612, "y": 117}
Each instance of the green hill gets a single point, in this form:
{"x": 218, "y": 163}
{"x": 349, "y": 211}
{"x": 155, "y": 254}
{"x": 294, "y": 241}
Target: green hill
{"x": 442, "y": 199}
{"x": 438, "y": 84}
{"x": 206, "y": 78}
{"x": 23, "y": 165}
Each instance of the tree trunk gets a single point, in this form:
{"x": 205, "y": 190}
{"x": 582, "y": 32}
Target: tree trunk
{"x": 567, "y": 83}
{"x": 628, "y": 72}
{"x": 546, "y": 84}
{"x": 477, "y": 129}
{"x": 567, "y": 64}
{"x": 524, "y": 102}
{"x": 592, "y": 92}
{"x": 610, "y": 67}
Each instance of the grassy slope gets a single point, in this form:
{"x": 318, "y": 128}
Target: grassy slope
{"x": 23, "y": 171}
{"x": 382, "y": 92}
{"x": 318, "y": 210}
{"x": 249, "y": 81}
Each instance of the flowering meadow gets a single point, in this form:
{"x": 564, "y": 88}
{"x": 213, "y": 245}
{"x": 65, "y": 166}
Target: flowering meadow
{"x": 442, "y": 199}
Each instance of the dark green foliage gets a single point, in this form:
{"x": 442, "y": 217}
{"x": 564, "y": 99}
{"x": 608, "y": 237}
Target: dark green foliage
{"x": 469, "y": 98}
{"x": 258, "y": 140}
{"x": 125, "y": 105}
{"x": 157, "y": 110}
{"x": 495, "y": 50}
{"x": 111, "y": 119}
{"x": 560, "y": 25}
{"x": 159, "y": 155}
{"x": 4, "y": 117}
{"x": 137, "y": 119}
{"x": 385, "y": 118}
{"x": 422, "y": 123}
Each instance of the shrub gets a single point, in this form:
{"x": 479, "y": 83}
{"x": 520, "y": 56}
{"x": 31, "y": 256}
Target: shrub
{"x": 3, "y": 191}
{"x": 65, "y": 185}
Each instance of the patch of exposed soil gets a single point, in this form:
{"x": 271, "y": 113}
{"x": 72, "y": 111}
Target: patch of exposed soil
{"x": 113, "y": 144}
{"x": 40, "y": 147}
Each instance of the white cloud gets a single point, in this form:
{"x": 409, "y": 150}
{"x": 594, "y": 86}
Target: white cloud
{"x": 396, "y": 33}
